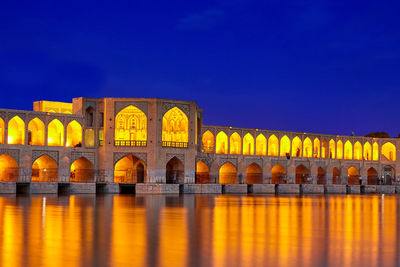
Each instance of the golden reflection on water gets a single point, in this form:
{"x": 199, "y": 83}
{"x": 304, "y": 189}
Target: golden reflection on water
{"x": 223, "y": 230}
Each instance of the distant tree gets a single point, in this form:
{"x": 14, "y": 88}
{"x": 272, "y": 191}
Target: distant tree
{"x": 378, "y": 135}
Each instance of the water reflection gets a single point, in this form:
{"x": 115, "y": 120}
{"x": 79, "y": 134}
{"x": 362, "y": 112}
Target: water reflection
{"x": 121, "y": 230}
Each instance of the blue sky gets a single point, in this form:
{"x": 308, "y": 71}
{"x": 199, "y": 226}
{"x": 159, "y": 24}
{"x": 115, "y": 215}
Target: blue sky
{"x": 308, "y": 66}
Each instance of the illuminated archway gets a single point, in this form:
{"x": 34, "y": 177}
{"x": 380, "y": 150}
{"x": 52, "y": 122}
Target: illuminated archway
{"x": 9, "y": 170}
{"x": 36, "y": 130}
{"x": 55, "y": 133}
{"x": 261, "y": 145}
{"x": 235, "y": 143}
{"x": 130, "y": 169}
{"x": 285, "y": 146}
{"x": 82, "y": 171}
{"x": 74, "y": 134}
{"x": 222, "y": 143}
{"x": 302, "y": 175}
{"x": 254, "y": 174}
{"x": 175, "y": 171}
{"x": 372, "y": 178}
{"x": 389, "y": 151}
{"x": 296, "y": 147}
{"x": 317, "y": 148}
{"x": 348, "y": 150}
{"x": 375, "y": 151}
{"x": 248, "y": 144}
{"x": 324, "y": 149}
{"x": 16, "y": 131}
{"x": 89, "y": 137}
{"x": 273, "y": 146}
{"x": 331, "y": 149}
{"x": 175, "y": 128}
{"x": 2, "y": 129}
{"x": 357, "y": 151}
{"x": 335, "y": 176}
{"x": 202, "y": 173}
{"x": 208, "y": 142}
{"x": 339, "y": 150}
{"x": 353, "y": 176}
{"x": 131, "y": 125}
{"x": 307, "y": 148}
{"x": 321, "y": 176}
{"x": 228, "y": 174}
{"x": 367, "y": 151}
{"x": 278, "y": 174}
{"x": 44, "y": 169}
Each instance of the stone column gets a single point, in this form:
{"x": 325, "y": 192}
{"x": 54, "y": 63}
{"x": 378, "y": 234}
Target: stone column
{"x": 364, "y": 176}
{"x": 214, "y": 173}
{"x": 314, "y": 174}
{"x": 267, "y": 175}
{"x": 242, "y": 171}
{"x": 291, "y": 173}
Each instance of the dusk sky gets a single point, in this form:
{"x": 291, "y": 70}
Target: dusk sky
{"x": 309, "y": 66}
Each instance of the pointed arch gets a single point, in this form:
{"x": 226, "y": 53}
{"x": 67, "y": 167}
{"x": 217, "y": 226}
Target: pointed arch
{"x": 248, "y": 144}
{"x": 131, "y": 126}
{"x": 375, "y": 151}
{"x": 296, "y": 147}
{"x": 357, "y": 151}
{"x": 324, "y": 148}
{"x": 279, "y": 174}
{"x": 9, "y": 170}
{"x": 36, "y": 132}
{"x": 222, "y": 143}
{"x": 44, "y": 169}
{"x": 307, "y": 148}
{"x": 74, "y": 134}
{"x": 2, "y": 129}
{"x": 175, "y": 171}
{"x": 285, "y": 146}
{"x": 273, "y": 146}
{"x": 16, "y": 131}
{"x": 353, "y": 176}
{"x": 348, "y": 150}
{"x": 235, "y": 144}
{"x": 336, "y": 176}
{"x": 228, "y": 174}
{"x": 208, "y": 142}
{"x": 261, "y": 145}
{"x": 254, "y": 174}
{"x": 130, "y": 169}
{"x": 55, "y": 133}
{"x": 389, "y": 151}
{"x": 372, "y": 176}
{"x": 317, "y": 148}
{"x": 339, "y": 150}
{"x": 367, "y": 151}
{"x": 302, "y": 174}
{"x": 202, "y": 173}
{"x": 82, "y": 171}
{"x": 332, "y": 149}
{"x": 175, "y": 128}
{"x": 321, "y": 179}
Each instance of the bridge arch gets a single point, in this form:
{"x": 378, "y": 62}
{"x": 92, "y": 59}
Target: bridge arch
{"x": 248, "y": 144}
{"x": 222, "y": 143}
{"x": 208, "y": 142}
{"x": 9, "y": 170}
{"x": 302, "y": 174}
{"x": 202, "y": 173}
{"x": 353, "y": 176}
{"x": 279, "y": 174}
{"x": 273, "y": 146}
{"x": 175, "y": 171}
{"x": 82, "y": 171}
{"x": 372, "y": 176}
{"x": 235, "y": 142}
{"x": 228, "y": 174}
{"x": 307, "y": 148}
{"x": 130, "y": 169}
{"x": 285, "y": 146}
{"x": 44, "y": 169}
{"x": 389, "y": 151}
{"x": 321, "y": 179}
{"x": 261, "y": 145}
{"x": 254, "y": 174}
{"x": 296, "y": 147}
{"x": 36, "y": 132}
{"x": 16, "y": 131}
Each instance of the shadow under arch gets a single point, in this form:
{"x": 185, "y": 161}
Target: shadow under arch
{"x": 175, "y": 171}
{"x": 130, "y": 169}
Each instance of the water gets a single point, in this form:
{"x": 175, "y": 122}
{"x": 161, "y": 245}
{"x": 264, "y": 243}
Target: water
{"x": 194, "y": 230}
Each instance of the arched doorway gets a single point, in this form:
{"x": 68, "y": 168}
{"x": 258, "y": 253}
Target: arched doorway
{"x": 372, "y": 178}
{"x": 228, "y": 174}
{"x": 389, "y": 175}
{"x": 175, "y": 171}
{"x": 254, "y": 174}
{"x": 321, "y": 176}
{"x": 302, "y": 175}
{"x": 279, "y": 174}
{"x": 353, "y": 176}
{"x": 36, "y": 131}
{"x": 44, "y": 169}
{"x": 82, "y": 171}
{"x": 9, "y": 170}
{"x": 202, "y": 173}
{"x": 129, "y": 169}
{"x": 55, "y": 133}
{"x": 335, "y": 176}
{"x": 16, "y": 131}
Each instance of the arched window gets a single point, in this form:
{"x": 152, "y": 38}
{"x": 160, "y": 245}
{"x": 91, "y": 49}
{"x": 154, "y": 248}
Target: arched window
{"x": 1, "y": 131}
{"x": 285, "y": 146}
{"x": 90, "y": 117}
{"x": 36, "y": 132}
{"x": 235, "y": 144}
{"x": 324, "y": 149}
{"x": 248, "y": 144}
{"x": 317, "y": 148}
{"x": 273, "y": 146}
{"x": 222, "y": 143}
{"x": 261, "y": 145}
{"x": 175, "y": 129}
{"x": 16, "y": 131}
{"x": 131, "y": 127}
{"x": 375, "y": 151}
{"x": 357, "y": 151}
{"x": 367, "y": 151}
{"x": 74, "y": 134}
{"x": 389, "y": 151}
{"x": 307, "y": 148}
{"x": 348, "y": 150}
{"x": 55, "y": 133}
{"x": 339, "y": 150}
{"x": 208, "y": 142}
{"x": 296, "y": 147}
{"x": 331, "y": 149}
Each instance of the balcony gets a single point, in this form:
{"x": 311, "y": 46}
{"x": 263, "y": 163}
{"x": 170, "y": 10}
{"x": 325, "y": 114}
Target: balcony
{"x": 130, "y": 143}
{"x": 175, "y": 144}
